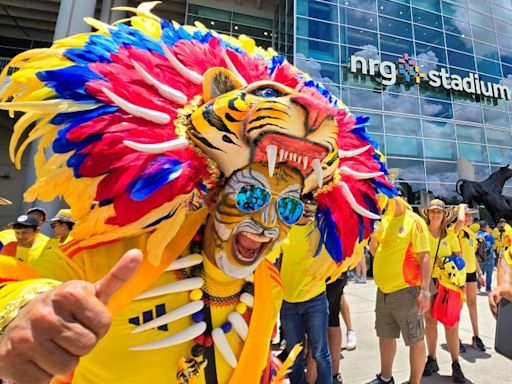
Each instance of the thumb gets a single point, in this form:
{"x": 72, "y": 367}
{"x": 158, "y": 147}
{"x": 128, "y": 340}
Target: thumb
{"x": 118, "y": 275}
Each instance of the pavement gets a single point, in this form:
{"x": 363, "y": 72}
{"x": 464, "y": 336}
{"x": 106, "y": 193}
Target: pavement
{"x": 362, "y": 364}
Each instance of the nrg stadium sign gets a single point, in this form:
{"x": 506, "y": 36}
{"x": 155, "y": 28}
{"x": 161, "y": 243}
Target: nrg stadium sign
{"x": 410, "y": 72}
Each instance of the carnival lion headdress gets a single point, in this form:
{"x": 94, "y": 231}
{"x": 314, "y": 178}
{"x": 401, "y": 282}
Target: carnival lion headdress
{"x": 138, "y": 122}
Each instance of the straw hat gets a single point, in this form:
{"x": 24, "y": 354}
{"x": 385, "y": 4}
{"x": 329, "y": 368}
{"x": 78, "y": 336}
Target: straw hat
{"x": 439, "y": 204}
{"x": 63, "y": 215}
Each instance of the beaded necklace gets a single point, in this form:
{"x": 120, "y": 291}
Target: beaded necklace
{"x": 205, "y": 293}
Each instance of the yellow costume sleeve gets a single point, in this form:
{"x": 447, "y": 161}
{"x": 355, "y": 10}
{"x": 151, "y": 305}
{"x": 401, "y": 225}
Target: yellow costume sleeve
{"x": 13, "y": 296}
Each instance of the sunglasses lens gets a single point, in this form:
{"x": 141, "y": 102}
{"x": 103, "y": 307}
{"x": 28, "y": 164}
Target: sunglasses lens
{"x": 250, "y": 198}
{"x": 290, "y": 209}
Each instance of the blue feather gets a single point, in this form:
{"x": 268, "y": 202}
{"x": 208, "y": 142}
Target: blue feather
{"x": 158, "y": 173}
{"x": 158, "y": 221}
{"x": 328, "y": 233}
{"x": 97, "y": 49}
{"x": 74, "y": 119}
{"x": 128, "y": 37}
{"x": 69, "y": 82}
{"x": 383, "y": 188}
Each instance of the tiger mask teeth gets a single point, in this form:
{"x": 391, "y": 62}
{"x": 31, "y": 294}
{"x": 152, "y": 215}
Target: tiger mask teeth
{"x": 271, "y": 158}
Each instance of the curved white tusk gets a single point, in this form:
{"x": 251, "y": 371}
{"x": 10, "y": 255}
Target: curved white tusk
{"x": 147, "y": 114}
{"x": 180, "y": 337}
{"x": 185, "y": 262}
{"x": 177, "y": 286}
{"x": 169, "y": 317}
{"x": 319, "y": 172}
{"x": 353, "y": 203}
{"x": 158, "y": 147}
{"x": 163, "y": 89}
{"x": 359, "y": 175}
{"x": 184, "y": 71}
{"x": 353, "y": 152}
{"x": 221, "y": 343}
{"x": 271, "y": 158}
{"x": 247, "y": 299}
{"x": 239, "y": 324}
{"x": 232, "y": 68}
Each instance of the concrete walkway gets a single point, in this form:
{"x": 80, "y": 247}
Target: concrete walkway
{"x": 361, "y": 365}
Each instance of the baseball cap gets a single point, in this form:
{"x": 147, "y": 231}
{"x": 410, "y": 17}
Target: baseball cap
{"x": 27, "y": 221}
{"x": 63, "y": 215}
{"x": 502, "y": 220}
{"x": 37, "y": 209}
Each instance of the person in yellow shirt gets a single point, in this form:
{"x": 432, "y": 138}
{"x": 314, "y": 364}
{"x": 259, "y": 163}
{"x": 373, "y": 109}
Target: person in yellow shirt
{"x": 27, "y": 245}
{"x": 401, "y": 271}
{"x": 500, "y": 232}
{"x": 305, "y": 309}
{"x": 468, "y": 244}
{"x": 8, "y": 235}
{"x": 62, "y": 224}
{"x": 443, "y": 243}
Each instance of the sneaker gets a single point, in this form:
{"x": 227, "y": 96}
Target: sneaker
{"x": 478, "y": 344}
{"x": 351, "y": 340}
{"x": 431, "y": 367}
{"x": 462, "y": 347}
{"x": 457, "y": 375}
{"x": 378, "y": 380}
{"x": 336, "y": 379}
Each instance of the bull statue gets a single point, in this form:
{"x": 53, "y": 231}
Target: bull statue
{"x": 488, "y": 193}
{"x": 472, "y": 192}
{"x": 499, "y": 206}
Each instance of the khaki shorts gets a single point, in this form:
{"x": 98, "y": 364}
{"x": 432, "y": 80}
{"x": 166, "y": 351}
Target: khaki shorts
{"x": 396, "y": 313}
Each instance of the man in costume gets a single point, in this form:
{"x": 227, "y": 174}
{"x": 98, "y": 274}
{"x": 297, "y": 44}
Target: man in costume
{"x": 195, "y": 148}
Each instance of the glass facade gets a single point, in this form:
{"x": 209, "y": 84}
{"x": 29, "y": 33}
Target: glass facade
{"x": 232, "y": 23}
{"x": 421, "y": 129}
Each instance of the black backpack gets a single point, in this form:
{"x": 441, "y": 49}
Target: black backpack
{"x": 483, "y": 250}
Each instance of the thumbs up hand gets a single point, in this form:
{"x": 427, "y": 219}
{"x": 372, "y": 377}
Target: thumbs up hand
{"x": 51, "y": 333}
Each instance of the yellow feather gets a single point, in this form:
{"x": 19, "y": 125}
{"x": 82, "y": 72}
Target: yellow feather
{"x": 148, "y": 26}
{"x": 139, "y": 12}
{"x": 287, "y": 365}
{"x": 39, "y": 130}
{"x": 163, "y": 235}
{"x": 76, "y": 41}
{"x": 19, "y": 129}
{"x": 98, "y": 25}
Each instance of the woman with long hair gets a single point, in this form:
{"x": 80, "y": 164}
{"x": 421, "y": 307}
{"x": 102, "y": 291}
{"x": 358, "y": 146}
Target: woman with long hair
{"x": 443, "y": 243}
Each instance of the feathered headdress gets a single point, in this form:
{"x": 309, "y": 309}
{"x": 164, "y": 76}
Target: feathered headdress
{"x": 112, "y": 113}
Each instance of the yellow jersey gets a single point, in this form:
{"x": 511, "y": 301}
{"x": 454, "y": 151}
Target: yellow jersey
{"x": 447, "y": 247}
{"x": 396, "y": 265}
{"x": 302, "y": 273}
{"x": 112, "y": 361}
{"x": 468, "y": 245}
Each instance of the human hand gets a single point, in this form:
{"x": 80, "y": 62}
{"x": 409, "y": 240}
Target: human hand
{"x": 422, "y": 304}
{"x": 51, "y": 333}
{"x": 496, "y": 295}
{"x": 481, "y": 279}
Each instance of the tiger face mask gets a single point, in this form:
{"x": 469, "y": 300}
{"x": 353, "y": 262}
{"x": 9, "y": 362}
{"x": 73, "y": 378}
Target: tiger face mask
{"x": 252, "y": 215}
{"x": 265, "y": 121}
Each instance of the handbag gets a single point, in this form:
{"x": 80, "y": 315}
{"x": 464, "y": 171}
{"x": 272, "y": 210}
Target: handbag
{"x": 447, "y": 306}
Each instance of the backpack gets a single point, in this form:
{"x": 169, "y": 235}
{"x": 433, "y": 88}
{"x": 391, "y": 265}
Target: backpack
{"x": 483, "y": 250}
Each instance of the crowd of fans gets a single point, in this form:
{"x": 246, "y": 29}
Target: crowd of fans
{"x": 408, "y": 257}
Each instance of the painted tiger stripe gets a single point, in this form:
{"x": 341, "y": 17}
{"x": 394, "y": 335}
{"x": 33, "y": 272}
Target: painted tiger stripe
{"x": 263, "y": 126}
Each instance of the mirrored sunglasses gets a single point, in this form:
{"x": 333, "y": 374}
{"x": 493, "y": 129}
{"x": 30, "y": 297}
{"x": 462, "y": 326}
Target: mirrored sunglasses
{"x": 251, "y": 198}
